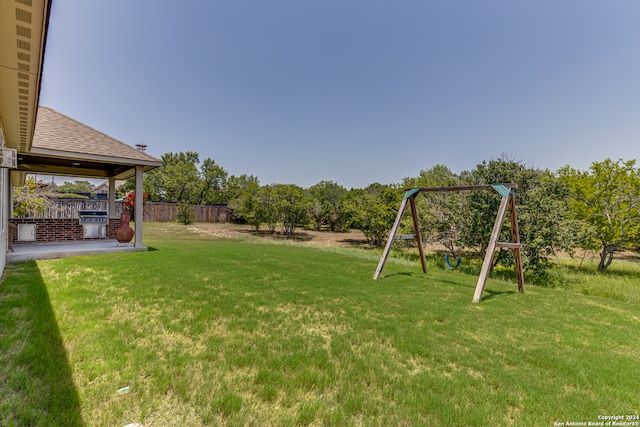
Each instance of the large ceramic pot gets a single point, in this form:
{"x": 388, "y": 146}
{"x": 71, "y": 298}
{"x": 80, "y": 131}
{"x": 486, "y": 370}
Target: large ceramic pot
{"x": 124, "y": 232}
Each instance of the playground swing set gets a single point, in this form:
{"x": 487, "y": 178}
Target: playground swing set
{"x": 507, "y": 193}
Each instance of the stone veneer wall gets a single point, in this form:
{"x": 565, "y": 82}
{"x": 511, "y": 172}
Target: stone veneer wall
{"x": 61, "y": 229}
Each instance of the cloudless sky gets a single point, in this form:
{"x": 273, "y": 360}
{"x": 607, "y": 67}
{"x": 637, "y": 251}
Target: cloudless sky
{"x": 354, "y": 91}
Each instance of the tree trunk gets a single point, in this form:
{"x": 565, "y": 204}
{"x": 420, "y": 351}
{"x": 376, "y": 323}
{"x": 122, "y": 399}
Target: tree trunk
{"x": 606, "y": 256}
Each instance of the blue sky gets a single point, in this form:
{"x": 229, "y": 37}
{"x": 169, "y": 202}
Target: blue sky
{"x": 354, "y": 91}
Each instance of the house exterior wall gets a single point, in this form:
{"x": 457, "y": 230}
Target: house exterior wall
{"x": 4, "y": 207}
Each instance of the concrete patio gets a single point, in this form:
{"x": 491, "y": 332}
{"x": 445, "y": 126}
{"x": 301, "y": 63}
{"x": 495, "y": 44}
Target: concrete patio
{"x": 35, "y": 251}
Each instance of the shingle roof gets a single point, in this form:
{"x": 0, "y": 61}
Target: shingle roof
{"x": 56, "y": 132}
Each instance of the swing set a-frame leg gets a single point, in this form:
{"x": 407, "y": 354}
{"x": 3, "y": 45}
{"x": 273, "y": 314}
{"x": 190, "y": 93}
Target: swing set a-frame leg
{"x": 493, "y": 244}
{"x": 392, "y": 236}
{"x": 409, "y": 198}
{"x": 491, "y": 247}
{"x": 416, "y": 230}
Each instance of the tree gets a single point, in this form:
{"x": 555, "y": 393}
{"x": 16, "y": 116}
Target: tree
{"x": 482, "y": 206}
{"x": 546, "y": 225}
{"x": 437, "y": 176}
{"x": 326, "y": 209}
{"x": 74, "y": 187}
{"x": 236, "y": 185}
{"x": 31, "y": 199}
{"x": 606, "y": 198}
{"x": 291, "y": 206}
{"x": 265, "y": 207}
{"x": 213, "y": 183}
{"x": 243, "y": 192}
{"x": 372, "y": 210}
{"x": 180, "y": 178}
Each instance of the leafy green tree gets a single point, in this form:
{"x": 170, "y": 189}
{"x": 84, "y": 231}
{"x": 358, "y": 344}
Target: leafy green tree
{"x": 291, "y": 205}
{"x": 326, "y": 209}
{"x": 545, "y": 223}
{"x": 265, "y": 207}
{"x": 606, "y": 198}
{"x": 438, "y": 176}
{"x": 244, "y": 192}
{"x": 213, "y": 188}
{"x": 74, "y": 187}
{"x": 483, "y": 205}
{"x": 181, "y": 178}
{"x": 236, "y": 185}
{"x": 372, "y": 210}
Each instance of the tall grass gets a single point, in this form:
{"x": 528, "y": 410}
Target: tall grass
{"x": 235, "y": 332}
{"x": 621, "y": 281}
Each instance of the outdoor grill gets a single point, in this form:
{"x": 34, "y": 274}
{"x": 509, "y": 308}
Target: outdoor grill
{"x": 94, "y": 223}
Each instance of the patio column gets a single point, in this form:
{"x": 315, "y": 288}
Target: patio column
{"x": 112, "y": 197}
{"x": 138, "y": 204}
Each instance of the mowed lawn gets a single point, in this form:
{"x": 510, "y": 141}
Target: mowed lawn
{"x": 205, "y": 331}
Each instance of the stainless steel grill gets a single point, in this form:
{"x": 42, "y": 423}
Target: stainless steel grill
{"x": 93, "y": 217}
{"x": 94, "y": 223}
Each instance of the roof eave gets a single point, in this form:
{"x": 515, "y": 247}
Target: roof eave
{"x": 23, "y": 35}
{"x": 95, "y": 158}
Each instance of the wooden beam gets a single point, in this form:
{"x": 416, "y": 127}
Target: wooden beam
{"x": 416, "y": 227}
{"x": 515, "y": 237}
{"x": 405, "y": 236}
{"x": 491, "y": 247}
{"x": 461, "y": 188}
{"x": 392, "y": 235}
{"x": 508, "y": 245}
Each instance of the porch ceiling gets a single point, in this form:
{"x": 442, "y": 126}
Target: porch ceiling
{"x": 69, "y": 166}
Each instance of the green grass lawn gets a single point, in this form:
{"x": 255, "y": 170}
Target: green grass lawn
{"x": 236, "y": 332}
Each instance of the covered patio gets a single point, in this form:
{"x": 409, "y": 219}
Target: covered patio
{"x": 36, "y": 251}
{"x": 63, "y": 146}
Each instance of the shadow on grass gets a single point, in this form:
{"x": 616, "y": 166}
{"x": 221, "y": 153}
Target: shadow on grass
{"x": 490, "y": 294}
{"x": 487, "y": 293}
{"x": 404, "y": 273}
{"x": 36, "y": 386}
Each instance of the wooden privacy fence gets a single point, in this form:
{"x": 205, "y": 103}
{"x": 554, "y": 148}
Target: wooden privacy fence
{"x": 154, "y": 211}
{"x": 166, "y": 212}
{"x": 68, "y": 208}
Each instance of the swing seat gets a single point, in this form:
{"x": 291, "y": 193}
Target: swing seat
{"x": 449, "y": 266}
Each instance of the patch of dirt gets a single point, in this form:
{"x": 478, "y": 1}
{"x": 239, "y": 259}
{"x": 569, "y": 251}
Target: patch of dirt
{"x": 311, "y": 237}
{"x": 352, "y": 238}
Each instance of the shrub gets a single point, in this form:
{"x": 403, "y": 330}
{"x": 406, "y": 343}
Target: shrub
{"x": 185, "y": 213}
